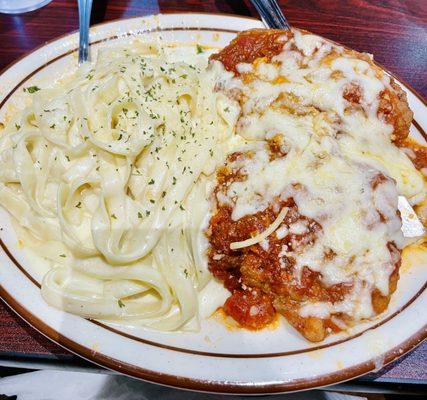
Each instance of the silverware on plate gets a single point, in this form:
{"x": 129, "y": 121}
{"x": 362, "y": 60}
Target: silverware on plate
{"x": 271, "y": 14}
{"x": 85, "y": 7}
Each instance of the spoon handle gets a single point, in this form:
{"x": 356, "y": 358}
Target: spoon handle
{"x": 85, "y": 7}
{"x": 271, "y": 14}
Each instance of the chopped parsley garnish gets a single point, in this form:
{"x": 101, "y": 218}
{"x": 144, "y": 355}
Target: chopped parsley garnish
{"x": 120, "y": 303}
{"x": 31, "y": 89}
{"x": 79, "y": 204}
{"x": 199, "y": 49}
{"x": 139, "y": 215}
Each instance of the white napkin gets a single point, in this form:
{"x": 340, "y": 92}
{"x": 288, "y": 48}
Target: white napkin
{"x": 64, "y": 385}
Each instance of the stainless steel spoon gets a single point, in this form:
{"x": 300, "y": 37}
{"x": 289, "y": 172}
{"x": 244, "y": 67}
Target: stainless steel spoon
{"x": 85, "y": 7}
{"x": 273, "y": 18}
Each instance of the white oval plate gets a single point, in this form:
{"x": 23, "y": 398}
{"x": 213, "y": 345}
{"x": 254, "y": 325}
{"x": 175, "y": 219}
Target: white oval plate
{"x": 215, "y": 359}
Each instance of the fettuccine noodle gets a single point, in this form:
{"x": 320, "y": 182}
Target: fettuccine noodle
{"x": 109, "y": 173}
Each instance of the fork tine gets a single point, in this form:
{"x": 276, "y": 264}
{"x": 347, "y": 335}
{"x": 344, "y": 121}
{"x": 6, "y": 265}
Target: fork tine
{"x": 411, "y": 225}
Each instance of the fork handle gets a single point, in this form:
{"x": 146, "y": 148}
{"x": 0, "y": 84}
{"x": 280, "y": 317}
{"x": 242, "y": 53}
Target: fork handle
{"x": 85, "y": 7}
{"x": 271, "y": 14}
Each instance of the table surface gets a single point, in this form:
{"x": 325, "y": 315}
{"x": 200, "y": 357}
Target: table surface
{"x": 394, "y": 31}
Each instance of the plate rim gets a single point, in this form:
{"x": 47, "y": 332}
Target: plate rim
{"x": 201, "y": 385}
{"x": 184, "y": 382}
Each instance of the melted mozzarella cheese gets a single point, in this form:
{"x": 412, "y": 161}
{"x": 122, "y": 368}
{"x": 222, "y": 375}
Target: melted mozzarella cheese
{"x": 335, "y": 154}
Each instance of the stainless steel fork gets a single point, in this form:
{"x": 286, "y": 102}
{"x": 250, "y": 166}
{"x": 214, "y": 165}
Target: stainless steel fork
{"x": 85, "y": 7}
{"x": 271, "y": 14}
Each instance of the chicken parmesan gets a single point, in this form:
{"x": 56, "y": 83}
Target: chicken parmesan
{"x": 305, "y": 219}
